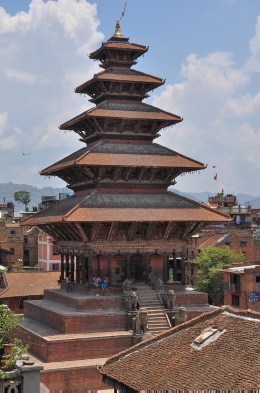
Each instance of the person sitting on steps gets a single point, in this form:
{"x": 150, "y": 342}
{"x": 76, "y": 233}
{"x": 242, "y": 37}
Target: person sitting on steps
{"x": 104, "y": 285}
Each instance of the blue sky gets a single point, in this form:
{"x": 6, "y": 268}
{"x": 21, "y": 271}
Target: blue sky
{"x": 208, "y": 51}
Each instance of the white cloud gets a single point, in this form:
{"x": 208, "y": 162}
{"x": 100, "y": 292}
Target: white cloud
{"x": 22, "y": 76}
{"x": 3, "y": 121}
{"x": 253, "y": 62}
{"x": 221, "y": 122}
{"x": 43, "y": 57}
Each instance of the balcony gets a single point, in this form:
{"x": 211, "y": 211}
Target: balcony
{"x": 230, "y": 287}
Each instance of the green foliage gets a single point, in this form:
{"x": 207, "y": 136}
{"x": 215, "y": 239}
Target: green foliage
{"x": 210, "y": 279}
{"x": 8, "y": 321}
{"x": 23, "y": 197}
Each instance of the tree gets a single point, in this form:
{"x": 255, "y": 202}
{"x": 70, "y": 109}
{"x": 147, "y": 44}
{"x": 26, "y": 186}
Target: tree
{"x": 210, "y": 278}
{"x": 23, "y": 197}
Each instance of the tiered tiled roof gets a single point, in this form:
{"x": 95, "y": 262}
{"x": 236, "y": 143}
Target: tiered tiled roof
{"x": 218, "y": 351}
{"x": 121, "y": 158}
{"x": 97, "y": 207}
{"x": 125, "y": 154}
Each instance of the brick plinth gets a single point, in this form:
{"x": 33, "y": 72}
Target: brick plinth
{"x": 83, "y": 302}
{"x": 77, "y": 346}
{"x": 68, "y": 320}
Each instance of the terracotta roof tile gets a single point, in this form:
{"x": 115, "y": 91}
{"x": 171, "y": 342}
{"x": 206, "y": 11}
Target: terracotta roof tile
{"x": 97, "y": 207}
{"x": 29, "y": 283}
{"x": 172, "y": 362}
{"x": 123, "y": 154}
{"x": 142, "y": 112}
{"x": 122, "y": 75}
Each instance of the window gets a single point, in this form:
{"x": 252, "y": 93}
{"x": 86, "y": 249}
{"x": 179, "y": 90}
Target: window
{"x": 55, "y": 267}
{"x": 12, "y": 232}
{"x": 227, "y": 244}
{"x": 55, "y": 250}
{"x": 242, "y": 244}
{"x": 25, "y": 239}
{"x": 235, "y": 300}
{"x": 257, "y": 279}
{"x": 12, "y": 250}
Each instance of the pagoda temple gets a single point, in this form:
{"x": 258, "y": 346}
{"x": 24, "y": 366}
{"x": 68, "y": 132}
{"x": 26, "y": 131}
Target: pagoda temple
{"x": 122, "y": 220}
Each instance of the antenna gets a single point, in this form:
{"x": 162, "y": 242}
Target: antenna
{"x": 123, "y": 12}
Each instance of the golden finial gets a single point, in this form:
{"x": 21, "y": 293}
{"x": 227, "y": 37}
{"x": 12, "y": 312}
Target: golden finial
{"x": 117, "y": 32}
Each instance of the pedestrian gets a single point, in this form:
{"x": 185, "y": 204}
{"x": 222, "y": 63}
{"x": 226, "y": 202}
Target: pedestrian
{"x": 68, "y": 284}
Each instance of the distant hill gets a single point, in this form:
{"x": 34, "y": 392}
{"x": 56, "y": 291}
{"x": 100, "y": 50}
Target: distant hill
{"x": 7, "y": 191}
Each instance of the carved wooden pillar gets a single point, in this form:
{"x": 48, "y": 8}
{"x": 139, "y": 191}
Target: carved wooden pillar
{"x": 90, "y": 270}
{"x": 67, "y": 265}
{"x": 174, "y": 267}
{"x": 84, "y": 270}
{"x": 128, "y": 267}
{"x": 98, "y": 264}
{"x": 72, "y": 267}
{"x": 109, "y": 258}
{"x": 62, "y": 266}
{"x": 77, "y": 270}
{"x": 165, "y": 268}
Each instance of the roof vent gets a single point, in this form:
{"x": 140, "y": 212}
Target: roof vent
{"x": 208, "y": 335}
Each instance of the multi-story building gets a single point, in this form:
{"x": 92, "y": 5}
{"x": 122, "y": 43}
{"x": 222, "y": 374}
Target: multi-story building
{"x": 48, "y": 253}
{"x": 242, "y": 287}
{"x": 21, "y": 242}
{"x": 241, "y": 215}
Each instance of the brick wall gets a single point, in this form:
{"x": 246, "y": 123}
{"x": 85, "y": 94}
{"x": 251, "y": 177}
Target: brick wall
{"x": 76, "y": 380}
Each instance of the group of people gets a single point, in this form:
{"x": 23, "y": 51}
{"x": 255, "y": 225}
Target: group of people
{"x": 97, "y": 282}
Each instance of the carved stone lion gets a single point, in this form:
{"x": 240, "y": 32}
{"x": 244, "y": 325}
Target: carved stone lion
{"x": 171, "y": 298}
{"x": 133, "y": 301}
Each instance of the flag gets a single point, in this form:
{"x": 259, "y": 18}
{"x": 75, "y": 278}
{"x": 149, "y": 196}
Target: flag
{"x": 4, "y": 199}
{"x": 216, "y": 176}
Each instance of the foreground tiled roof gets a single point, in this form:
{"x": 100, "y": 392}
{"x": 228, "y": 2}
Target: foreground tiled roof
{"x": 125, "y": 154}
{"x": 125, "y": 207}
{"x": 226, "y": 361}
{"x": 29, "y": 283}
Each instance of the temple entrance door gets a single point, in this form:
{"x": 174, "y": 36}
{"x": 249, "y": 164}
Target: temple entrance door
{"x": 137, "y": 271}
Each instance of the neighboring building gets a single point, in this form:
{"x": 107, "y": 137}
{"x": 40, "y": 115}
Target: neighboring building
{"x": 242, "y": 287}
{"x": 241, "y": 215}
{"x": 218, "y": 351}
{"x": 6, "y": 211}
{"x": 21, "y": 242}
{"x": 12, "y": 239}
{"x": 48, "y": 253}
{"x": 255, "y": 217}
{"x": 239, "y": 240}
{"x": 16, "y": 287}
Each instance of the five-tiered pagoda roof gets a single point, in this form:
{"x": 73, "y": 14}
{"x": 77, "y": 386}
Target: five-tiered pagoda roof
{"x": 121, "y": 177}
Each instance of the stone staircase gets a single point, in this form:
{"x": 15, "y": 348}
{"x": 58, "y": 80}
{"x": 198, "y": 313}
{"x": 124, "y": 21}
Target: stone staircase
{"x": 148, "y": 298}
